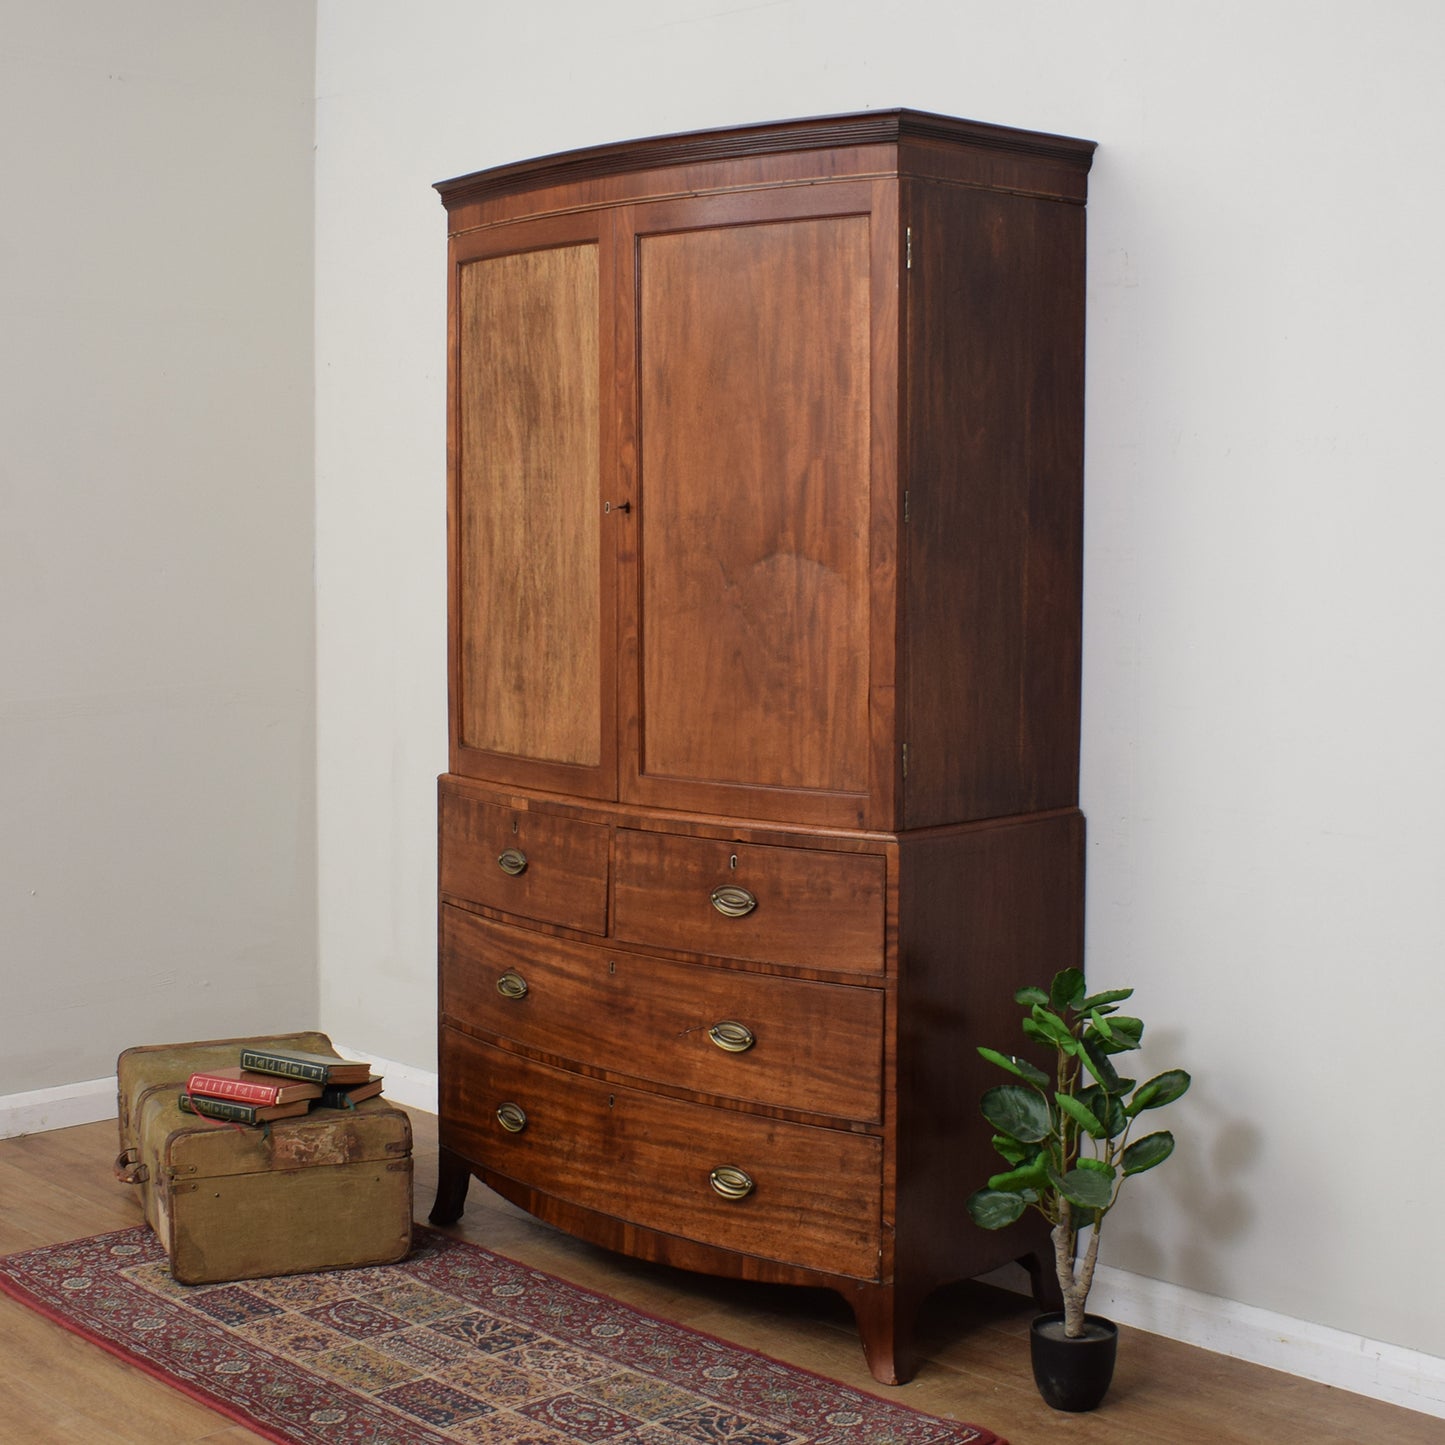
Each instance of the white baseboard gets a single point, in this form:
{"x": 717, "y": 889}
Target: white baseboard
{"x": 405, "y": 1084}
{"x": 1328, "y": 1356}
{"x": 1408, "y": 1378}
{"x": 58, "y": 1108}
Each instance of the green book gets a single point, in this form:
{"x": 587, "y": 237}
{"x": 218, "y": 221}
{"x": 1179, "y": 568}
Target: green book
{"x": 298, "y": 1064}
{"x": 230, "y": 1111}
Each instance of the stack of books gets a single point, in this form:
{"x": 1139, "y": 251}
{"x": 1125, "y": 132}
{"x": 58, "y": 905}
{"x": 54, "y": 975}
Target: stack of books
{"x": 269, "y": 1083}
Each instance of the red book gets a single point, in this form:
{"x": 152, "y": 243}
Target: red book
{"x": 247, "y": 1087}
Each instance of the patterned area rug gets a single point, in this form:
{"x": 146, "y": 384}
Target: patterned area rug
{"x": 454, "y": 1344}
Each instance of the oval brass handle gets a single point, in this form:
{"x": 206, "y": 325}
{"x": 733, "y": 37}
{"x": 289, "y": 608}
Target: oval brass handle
{"x": 513, "y": 861}
{"x": 512, "y": 1117}
{"x": 732, "y": 901}
{"x": 731, "y": 1037}
{"x": 731, "y": 1182}
{"x": 512, "y": 985}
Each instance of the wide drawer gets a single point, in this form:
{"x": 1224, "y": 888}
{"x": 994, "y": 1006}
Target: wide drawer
{"x": 535, "y": 865}
{"x": 815, "y": 1047}
{"x": 812, "y": 1195}
{"x": 800, "y": 906}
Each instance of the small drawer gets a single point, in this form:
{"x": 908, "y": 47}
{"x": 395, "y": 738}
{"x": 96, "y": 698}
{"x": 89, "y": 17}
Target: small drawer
{"x": 799, "y": 906}
{"x": 803, "y": 1195}
{"x": 535, "y": 865}
{"x": 814, "y": 1047}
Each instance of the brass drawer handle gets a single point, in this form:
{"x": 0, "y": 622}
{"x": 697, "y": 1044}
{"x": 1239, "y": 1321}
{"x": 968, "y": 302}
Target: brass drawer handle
{"x": 512, "y": 1117}
{"x": 731, "y": 1182}
{"x": 731, "y": 1037}
{"x": 732, "y": 901}
{"x": 512, "y": 985}
{"x": 513, "y": 861}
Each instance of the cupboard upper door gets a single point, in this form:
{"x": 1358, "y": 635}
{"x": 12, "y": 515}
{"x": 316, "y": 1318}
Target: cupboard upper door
{"x": 747, "y": 687}
{"x": 533, "y": 622}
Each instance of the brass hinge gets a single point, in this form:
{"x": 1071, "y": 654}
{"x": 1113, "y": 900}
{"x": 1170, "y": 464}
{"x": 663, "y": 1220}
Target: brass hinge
{"x": 905, "y": 760}
{"x": 905, "y": 508}
{"x": 908, "y": 248}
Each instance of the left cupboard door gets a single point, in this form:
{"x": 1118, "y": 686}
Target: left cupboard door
{"x": 532, "y": 527}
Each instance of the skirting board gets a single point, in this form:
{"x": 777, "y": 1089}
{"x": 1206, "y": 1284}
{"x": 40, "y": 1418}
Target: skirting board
{"x": 65, "y": 1105}
{"x": 58, "y": 1108}
{"x": 1381, "y": 1371}
{"x": 1408, "y": 1378}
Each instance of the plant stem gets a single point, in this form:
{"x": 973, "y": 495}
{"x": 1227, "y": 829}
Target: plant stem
{"x": 1063, "y": 1237}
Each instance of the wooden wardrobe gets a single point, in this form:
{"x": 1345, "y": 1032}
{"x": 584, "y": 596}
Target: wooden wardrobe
{"x": 765, "y": 455}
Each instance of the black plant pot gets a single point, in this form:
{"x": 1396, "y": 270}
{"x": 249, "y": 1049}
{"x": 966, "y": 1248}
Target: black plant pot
{"x": 1073, "y": 1374}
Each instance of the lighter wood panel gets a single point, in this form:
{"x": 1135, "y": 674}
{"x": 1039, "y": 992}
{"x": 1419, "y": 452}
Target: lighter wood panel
{"x": 754, "y": 348}
{"x": 528, "y": 502}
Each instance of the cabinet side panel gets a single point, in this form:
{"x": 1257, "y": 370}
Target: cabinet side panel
{"x": 528, "y": 517}
{"x": 994, "y": 537}
{"x": 754, "y": 344}
{"x": 983, "y": 913}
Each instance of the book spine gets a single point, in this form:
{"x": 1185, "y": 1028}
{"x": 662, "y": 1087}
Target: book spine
{"x": 264, "y": 1063}
{"x": 249, "y": 1093}
{"x": 219, "y": 1109}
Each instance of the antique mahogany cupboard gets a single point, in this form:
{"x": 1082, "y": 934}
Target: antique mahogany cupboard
{"x": 765, "y": 510}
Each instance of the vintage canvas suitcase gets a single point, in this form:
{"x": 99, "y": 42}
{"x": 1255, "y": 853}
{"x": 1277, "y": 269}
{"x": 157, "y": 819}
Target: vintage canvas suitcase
{"x": 327, "y": 1190}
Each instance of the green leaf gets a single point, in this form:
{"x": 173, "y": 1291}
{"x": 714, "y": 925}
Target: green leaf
{"x": 1030, "y": 996}
{"x": 1034, "y": 1032}
{"x": 1018, "y": 1111}
{"x": 1011, "y": 1149}
{"x": 1145, "y": 1153}
{"x": 1033, "y": 1175}
{"x": 1101, "y": 1024}
{"x": 1055, "y": 1029}
{"x": 1103, "y": 1000}
{"x": 1098, "y": 1166}
{"x": 1081, "y": 1115}
{"x": 1124, "y": 1034}
{"x": 1097, "y": 1062}
{"x": 994, "y": 1208}
{"x": 1108, "y": 1109}
{"x": 1087, "y": 1188}
{"x": 1067, "y": 989}
{"x": 1020, "y": 1068}
{"x": 1160, "y": 1090}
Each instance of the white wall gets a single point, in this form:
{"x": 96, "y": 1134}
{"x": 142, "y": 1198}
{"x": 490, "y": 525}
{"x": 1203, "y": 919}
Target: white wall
{"x": 1264, "y": 700}
{"x": 157, "y": 779}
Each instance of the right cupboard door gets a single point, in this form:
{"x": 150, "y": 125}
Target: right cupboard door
{"x": 750, "y": 617}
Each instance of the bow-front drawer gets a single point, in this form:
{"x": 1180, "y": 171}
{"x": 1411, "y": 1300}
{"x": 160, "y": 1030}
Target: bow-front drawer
{"x": 791, "y": 1192}
{"x": 814, "y": 1047}
{"x": 542, "y": 866}
{"x": 800, "y": 906}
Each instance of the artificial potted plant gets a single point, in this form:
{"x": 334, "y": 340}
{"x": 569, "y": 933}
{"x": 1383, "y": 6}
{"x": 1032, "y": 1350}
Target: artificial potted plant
{"x": 1066, "y": 1139}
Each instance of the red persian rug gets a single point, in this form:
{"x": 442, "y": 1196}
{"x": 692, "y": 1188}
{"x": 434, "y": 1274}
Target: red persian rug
{"x": 454, "y": 1344}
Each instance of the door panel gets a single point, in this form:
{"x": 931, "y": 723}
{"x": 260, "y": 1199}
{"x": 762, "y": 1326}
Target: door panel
{"x": 753, "y": 397}
{"x": 534, "y": 630}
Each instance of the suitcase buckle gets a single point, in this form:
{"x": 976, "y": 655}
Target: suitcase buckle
{"x": 129, "y": 1169}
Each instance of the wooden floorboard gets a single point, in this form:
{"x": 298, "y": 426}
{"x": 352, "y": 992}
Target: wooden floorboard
{"x": 56, "y": 1389}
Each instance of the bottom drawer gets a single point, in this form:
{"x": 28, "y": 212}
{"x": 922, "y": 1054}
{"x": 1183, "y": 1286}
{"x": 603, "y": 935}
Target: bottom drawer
{"x": 808, "y": 1196}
